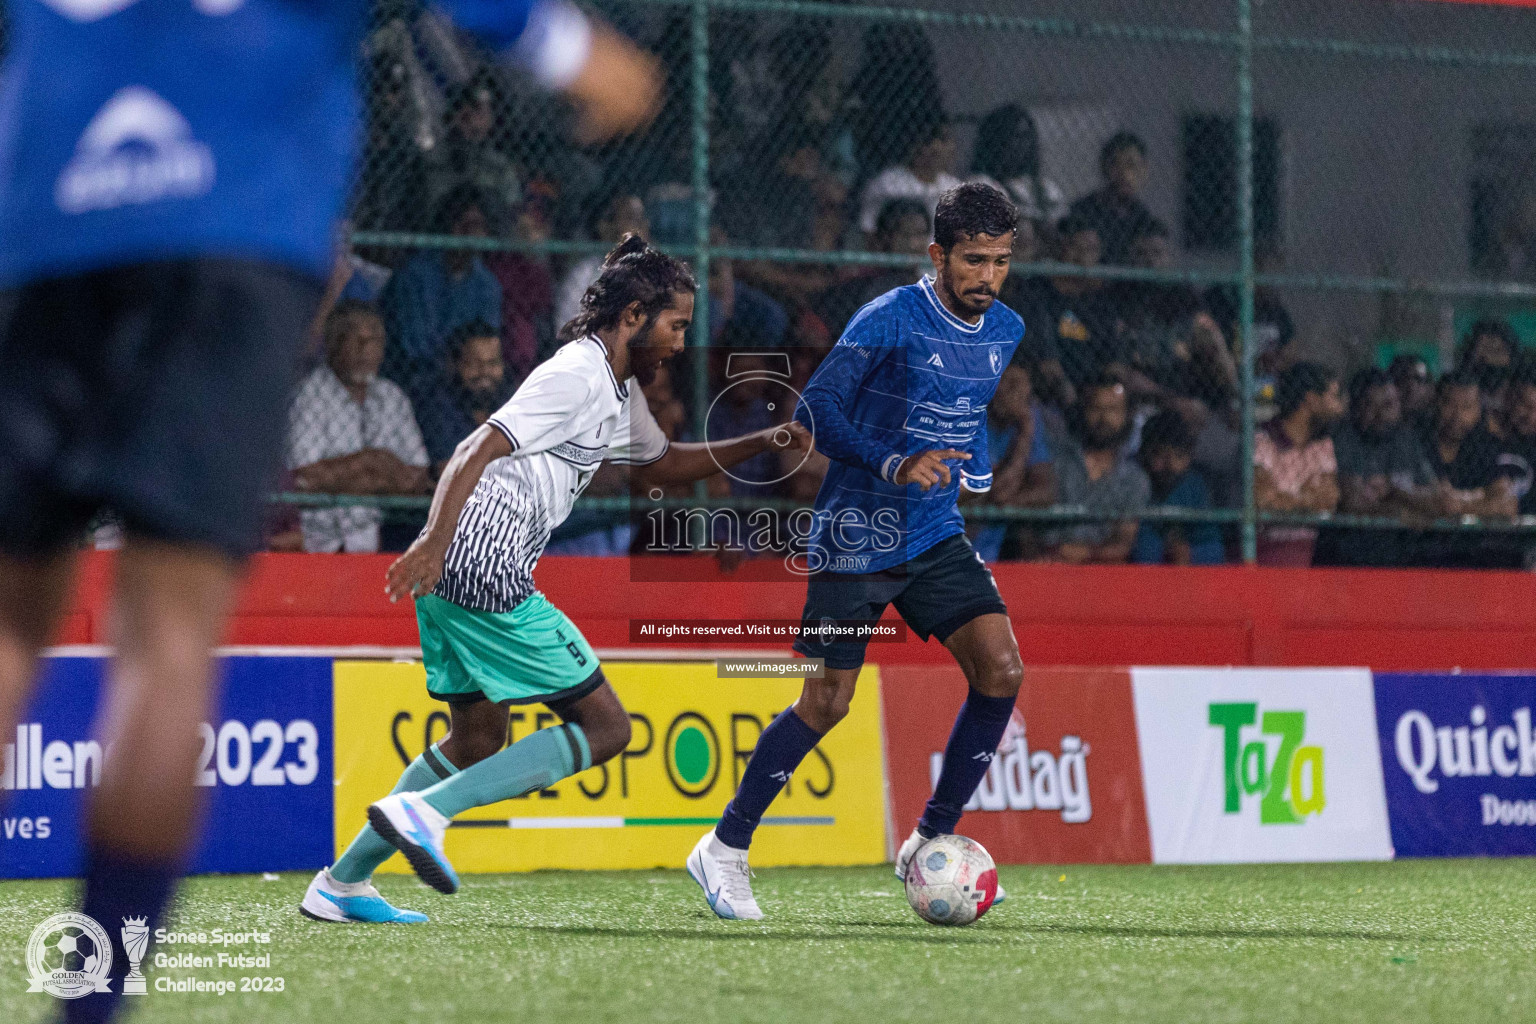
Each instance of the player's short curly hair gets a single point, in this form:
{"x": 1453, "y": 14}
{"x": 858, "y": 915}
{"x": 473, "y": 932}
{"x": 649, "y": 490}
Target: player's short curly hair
{"x": 970, "y": 211}
{"x": 633, "y": 272}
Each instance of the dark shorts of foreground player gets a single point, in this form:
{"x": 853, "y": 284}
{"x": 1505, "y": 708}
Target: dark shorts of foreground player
{"x": 936, "y": 593}
{"x": 158, "y": 390}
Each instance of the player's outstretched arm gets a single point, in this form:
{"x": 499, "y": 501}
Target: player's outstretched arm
{"x": 417, "y": 571}
{"x": 685, "y": 463}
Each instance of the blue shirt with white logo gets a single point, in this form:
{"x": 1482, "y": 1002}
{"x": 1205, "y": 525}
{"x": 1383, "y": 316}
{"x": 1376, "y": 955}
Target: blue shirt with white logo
{"x": 907, "y": 376}
{"x": 133, "y": 130}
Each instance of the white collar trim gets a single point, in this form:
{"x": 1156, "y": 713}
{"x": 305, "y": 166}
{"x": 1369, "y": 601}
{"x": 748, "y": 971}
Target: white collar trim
{"x": 953, "y": 321}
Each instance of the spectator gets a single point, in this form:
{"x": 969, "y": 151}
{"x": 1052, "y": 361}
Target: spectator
{"x": 925, "y": 174}
{"x": 1519, "y": 455}
{"x": 527, "y": 290}
{"x": 1020, "y": 448}
{"x": 623, "y": 214}
{"x": 1008, "y": 155}
{"x": 1382, "y": 472}
{"x": 468, "y": 155}
{"x": 1274, "y": 334}
{"x": 740, "y": 316}
{"x": 902, "y": 228}
{"x": 1415, "y": 389}
{"x": 1488, "y": 351}
{"x": 1033, "y": 299}
{"x": 1093, "y": 471}
{"x": 1175, "y": 352}
{"x": 394, "y": 165}
{"x": 1167, "y": 454}
{"x": 352, "y": 432}
{"x": 1116, "y": 211}
{"x": 1075, "y": 318}
{"x": 1294, "y": 466}
{"x": 438, "y": 291}
{"x": 788, "y": 198}
{"x": 895, "y": 97}
{"x": 473, "y": 386}
{"x": 1469, "y": 478}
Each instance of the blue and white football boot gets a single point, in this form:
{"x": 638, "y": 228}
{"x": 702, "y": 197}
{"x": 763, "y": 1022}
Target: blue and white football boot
{"x": 352, "y": 903}
{"x": 909, "y": 850}
{"x": 416, "y": 828}
{"x": 722, "y": 873}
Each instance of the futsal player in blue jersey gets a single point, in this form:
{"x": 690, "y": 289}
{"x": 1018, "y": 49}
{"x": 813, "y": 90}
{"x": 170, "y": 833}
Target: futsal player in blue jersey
{"x": 171, "y": 176}
{"x": 899, "y": 406}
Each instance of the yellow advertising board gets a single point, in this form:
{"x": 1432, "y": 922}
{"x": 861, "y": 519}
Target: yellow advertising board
{"x": 646, "y": 808}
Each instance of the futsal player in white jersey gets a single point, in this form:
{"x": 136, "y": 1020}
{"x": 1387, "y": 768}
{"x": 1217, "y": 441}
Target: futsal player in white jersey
{"x": 488, "y": 637}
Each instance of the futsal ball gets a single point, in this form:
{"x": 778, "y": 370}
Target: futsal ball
{"x": 951, "y": 880}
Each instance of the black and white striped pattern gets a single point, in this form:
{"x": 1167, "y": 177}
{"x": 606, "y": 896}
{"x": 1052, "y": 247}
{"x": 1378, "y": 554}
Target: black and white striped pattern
{"x": 501, "y": 534}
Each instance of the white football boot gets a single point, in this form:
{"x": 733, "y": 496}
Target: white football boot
{"x": 722, "y": 873}
{"x": 352, "y": 902}
{"x": 909, "y": 850}
{"x": 416, "y": 828}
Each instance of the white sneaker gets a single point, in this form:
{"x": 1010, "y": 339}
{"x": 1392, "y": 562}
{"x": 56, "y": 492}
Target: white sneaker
{"x": 722, "y": 873}
{"x": 415, "y": 828}
{"x": 350, "y": 902}
{"x": 909, "y": 850}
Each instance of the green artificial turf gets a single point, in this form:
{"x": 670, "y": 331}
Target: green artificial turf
{"x": 1406, "y": 941}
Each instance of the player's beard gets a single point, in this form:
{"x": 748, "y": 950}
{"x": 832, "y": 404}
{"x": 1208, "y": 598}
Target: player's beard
{"x": 974, "y": 304}
{"x": 644, "y": 360}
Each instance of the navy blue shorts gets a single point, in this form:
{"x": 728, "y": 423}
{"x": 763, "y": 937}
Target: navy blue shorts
{"x": 936, "y": 593}
{"x": 159, "y": 391}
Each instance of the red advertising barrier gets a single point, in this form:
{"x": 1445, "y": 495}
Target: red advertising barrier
{"x": 1066, "y": 785}
{"x": 1418, "y": 620}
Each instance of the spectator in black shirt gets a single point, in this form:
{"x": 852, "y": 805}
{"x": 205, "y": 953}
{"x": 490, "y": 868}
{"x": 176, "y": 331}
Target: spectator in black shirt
{"x": 1415, "y": 389}
{"x": 902, "y": 228}
{"x": 1273, "y": 331}
{"x": 1382, "y": 470}
{"x": 1075, "y": 315}
{"x": 1518, "y": 458}
{"x": 1116, "y": 211}
{"x": 474, "y": 385}
{"x": 1488, "y": 351}
{"x": 1469, "y": 479}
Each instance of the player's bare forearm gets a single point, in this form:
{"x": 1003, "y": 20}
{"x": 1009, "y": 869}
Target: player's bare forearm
{"x": 417, "y": 571}
{"x": 685, "y": 463}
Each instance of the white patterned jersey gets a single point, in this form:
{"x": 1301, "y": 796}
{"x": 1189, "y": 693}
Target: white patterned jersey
{"x": 569, "y": 416}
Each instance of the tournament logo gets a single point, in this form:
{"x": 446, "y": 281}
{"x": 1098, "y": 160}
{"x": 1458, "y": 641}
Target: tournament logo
{"x": 69, "y": 956}
{"x": 1276, "y": 767}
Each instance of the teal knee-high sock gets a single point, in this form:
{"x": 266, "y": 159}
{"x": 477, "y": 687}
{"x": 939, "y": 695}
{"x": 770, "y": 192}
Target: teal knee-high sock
{"x": 534, "y": 762}
{"x": 370, "y": 849}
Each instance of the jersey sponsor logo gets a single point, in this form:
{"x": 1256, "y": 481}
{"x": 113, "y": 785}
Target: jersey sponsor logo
{"x": 137, "y": 149}
{"x": 953, "y": 426}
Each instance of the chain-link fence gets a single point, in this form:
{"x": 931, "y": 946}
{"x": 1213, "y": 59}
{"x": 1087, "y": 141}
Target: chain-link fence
{"x": 1277, "y": 262}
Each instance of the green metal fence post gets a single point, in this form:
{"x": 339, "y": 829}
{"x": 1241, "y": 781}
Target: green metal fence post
{"x": 1245, "y": 264}
{"x": 700, "y": 47}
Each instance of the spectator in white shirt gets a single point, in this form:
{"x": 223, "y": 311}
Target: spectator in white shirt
{"x": 624, "y": 214}
{"x": 352, "y": 432}
{"x": 927, "y": 174}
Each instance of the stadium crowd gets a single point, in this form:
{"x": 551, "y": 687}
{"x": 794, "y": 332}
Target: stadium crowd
{"x": 1122, "y": 397}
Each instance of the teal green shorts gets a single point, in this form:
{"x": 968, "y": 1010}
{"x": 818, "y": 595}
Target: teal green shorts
{"x": 530, "y": 655}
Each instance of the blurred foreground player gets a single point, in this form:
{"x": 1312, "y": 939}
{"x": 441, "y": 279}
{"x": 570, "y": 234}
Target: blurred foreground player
{"x": 897, "y": 402}
{"x": 171, "y": 173}
{"x": 488, "y": 637}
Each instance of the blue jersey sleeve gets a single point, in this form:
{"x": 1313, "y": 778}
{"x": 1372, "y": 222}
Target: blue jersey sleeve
{"x": 550, "y": 38}
{"x": 976, "y": 473}
{"x": 823, "y": 409}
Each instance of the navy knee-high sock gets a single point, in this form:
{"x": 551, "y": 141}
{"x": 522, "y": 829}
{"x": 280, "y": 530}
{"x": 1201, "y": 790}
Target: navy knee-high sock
{"x": 972, "y": 744}
{"x": 780, "y": 749}
{"x": 117, "y": 888}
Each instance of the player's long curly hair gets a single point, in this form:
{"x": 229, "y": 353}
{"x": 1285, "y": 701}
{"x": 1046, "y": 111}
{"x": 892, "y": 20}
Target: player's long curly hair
{"x": 632, "y": 273}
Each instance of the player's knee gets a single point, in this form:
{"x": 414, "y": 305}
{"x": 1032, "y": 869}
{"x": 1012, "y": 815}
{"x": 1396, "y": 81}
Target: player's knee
{"x": 999, "y": 673}
{"x": 608, "y": 737}
{"x": 821, "y": 709}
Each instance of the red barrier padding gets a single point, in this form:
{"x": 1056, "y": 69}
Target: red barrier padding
{"x": 1065, "y": 615}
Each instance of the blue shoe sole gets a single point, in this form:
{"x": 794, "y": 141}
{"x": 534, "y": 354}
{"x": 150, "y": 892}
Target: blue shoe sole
{"x": 700, "y": 883}
{"x": 422, "y": 862}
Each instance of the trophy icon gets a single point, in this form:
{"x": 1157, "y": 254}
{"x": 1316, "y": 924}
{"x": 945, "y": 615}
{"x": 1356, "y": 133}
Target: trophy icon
{"x": 135, "y": 934}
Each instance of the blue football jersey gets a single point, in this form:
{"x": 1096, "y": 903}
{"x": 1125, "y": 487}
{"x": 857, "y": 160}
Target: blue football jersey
{"x": 133, "y": 130}
{"x": 907, "y": 376}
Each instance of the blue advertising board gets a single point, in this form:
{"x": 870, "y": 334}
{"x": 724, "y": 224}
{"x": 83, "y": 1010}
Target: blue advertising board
{"x": 1459, "y": 756}
{"x": 265, "y": 763}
